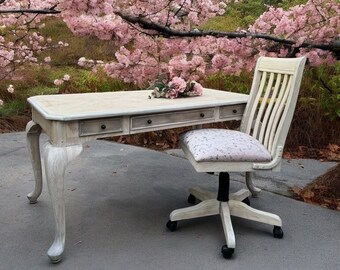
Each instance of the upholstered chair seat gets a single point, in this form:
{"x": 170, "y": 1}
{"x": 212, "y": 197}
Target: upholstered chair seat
{"x": 224, "y": 145}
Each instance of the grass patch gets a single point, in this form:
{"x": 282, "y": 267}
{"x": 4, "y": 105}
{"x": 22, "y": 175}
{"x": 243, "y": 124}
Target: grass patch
{"x": 39, "y": 81}
{"x": 286, "y": 4}
{"x": 13, "y": 107}
{"x": 235, "y": 83}
{"x": 222, "y": 23}
{"x": 78, "y": 46}
{"x": 244, "y": 13}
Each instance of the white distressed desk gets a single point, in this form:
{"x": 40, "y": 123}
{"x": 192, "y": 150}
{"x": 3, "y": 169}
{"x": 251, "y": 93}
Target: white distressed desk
{"x": 71, "y": 120}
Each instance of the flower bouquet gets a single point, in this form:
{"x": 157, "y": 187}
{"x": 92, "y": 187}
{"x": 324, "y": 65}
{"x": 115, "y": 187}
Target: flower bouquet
{"x": 175, "y": 88}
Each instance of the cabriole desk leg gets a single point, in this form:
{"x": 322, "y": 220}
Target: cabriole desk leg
{"x": 56, "y": 160}
{"x": 33, "y": 132}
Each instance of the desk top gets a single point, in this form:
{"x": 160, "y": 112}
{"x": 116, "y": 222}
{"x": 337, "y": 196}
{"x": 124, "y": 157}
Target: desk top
{"x": 68, "y": 107}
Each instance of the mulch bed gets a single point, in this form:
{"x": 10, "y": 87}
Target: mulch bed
{"x": 324, "y": 190}
{"x": 13, "y": 124}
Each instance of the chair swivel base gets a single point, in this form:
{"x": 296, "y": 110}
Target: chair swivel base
{"x": 226, "y": 210}
{"x": 233, "y": 207}
{"x": 202, "y": 195}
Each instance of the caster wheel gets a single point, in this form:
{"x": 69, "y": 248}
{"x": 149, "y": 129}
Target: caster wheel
{"x": 277, "y": 232}
{"x": 227, "y": 252}
{"x": 246, "y": 201}
{"x": 171, "y": 225}
{"x": 191, "y": 199}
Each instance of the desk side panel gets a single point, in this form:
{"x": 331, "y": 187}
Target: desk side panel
{"x": 60, "y": 133}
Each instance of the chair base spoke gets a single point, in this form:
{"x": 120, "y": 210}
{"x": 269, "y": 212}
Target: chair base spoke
{"x": 203, "y": 209}
{"x": 242, "y": 210}
{"x": 202, "y": 194}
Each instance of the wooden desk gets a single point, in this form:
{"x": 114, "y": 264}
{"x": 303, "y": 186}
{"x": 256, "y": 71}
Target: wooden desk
{"x": 70, "y": 120}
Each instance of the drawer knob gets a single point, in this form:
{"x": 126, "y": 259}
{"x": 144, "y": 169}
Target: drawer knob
{"x": 103, "y": 126}
{"x": 149, "y": 121}
{"x": 202, "y": 115}
{"x": 234, "y": 111}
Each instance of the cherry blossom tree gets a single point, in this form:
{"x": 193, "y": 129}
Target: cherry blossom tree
{"x": 163, "y": 36}
{"x": 157, "y": 37}
{"x": 20, "y": 38}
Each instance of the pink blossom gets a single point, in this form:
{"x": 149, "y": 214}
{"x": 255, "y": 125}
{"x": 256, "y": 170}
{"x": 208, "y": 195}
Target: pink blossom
{"x": 172, "y": 93}
{"x": 47, "y": 59}
{"x": 177, "y": 84}
{"x": 82, "y": 61}
{"x": 222, "y": 5}
{"x": 197, "y": 89}
{"x": 66, "y": 77}
{"x": 143, "y": 54}
{"x": 10, "y": 89}
{"x": 58, "y": 82}
{"x": 1, "y": 102}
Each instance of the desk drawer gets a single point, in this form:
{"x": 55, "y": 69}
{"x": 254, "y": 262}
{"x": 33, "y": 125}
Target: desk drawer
{"x": 100, "y": 126}
{"x": 167, "y": 119}
{"x": 232, "y": 111}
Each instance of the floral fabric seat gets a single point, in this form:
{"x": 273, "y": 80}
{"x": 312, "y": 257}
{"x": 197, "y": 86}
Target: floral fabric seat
{"x": 224, "y": 145}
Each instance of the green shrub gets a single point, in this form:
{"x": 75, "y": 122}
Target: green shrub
{"x": 286, "y": 4}
{"x": 235, "y": 83}
{"x": 13, "y": 108}
{"x": 321, "y": 88}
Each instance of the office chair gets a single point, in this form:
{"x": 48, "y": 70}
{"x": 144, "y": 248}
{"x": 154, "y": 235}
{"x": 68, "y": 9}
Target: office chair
{"x": 257, "y": 146}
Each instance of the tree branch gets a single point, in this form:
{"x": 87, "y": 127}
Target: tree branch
{"x": 168, "y": 32}
{"x": 34, "y": 11}
{"x": 50, "y": 10}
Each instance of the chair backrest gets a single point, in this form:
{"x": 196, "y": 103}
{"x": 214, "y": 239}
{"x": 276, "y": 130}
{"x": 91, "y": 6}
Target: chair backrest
{"x": 272, "y": 100}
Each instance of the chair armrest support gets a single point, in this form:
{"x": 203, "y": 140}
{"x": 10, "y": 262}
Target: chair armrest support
{"x": 275, "y": 161}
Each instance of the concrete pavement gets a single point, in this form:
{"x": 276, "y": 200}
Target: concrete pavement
{"x": 118, "y": 199}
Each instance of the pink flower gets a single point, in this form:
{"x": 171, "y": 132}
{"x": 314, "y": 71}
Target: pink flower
{"x": 197, "y": 89}
{"x": 178, "y": 84}
{"x": 172, "y": 93}
{"x": 10, "y": 89}
{"x": 82, "y": 61}
{"x": 1, "y": 102}
{"x": 47, "y": 59}
{"x": 66, "y": 77}
{"x": 58, "y": 82}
